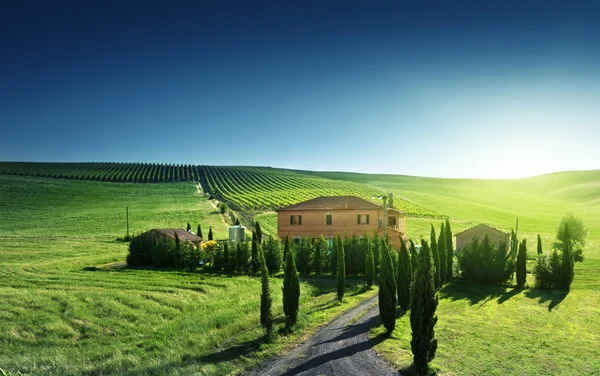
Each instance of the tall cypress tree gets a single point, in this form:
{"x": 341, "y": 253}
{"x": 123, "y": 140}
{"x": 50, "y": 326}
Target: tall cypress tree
{"x": 189, "y": 227}
{"x": 522, "y": 264}
{"x": 258, "y": 232}
{"x": 568, "y": 261}
{"x": 436, "y": 259}
{"x": 199, "y": 231}
{"x": 443, "y": 254}
{"x": 320, "y": 250}
{"x": 414, "y": 258}
{"x": 255, "y": 256}
{"x": 404, "y": 276}
{"x": 266, "y": 314}
{"x": 226, "y": 263}
{"x": 449, "y": 250}
{"x": 291, "y": 291}
{"x": 341, "y": 268}
{"x": 423, "y": 304}
{"x": 286, "y": 247}
{"x": 304, "y": 255}
{"x": 539, "y": 245}
{"x": 387, "y": 290}
{"x": 369, "y": 266}
{"x": 376, "y": 253}
{"x": 210, "y": 233}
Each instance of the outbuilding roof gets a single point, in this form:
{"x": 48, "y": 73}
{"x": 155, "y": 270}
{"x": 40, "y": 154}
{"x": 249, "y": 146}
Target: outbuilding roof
{"x": 181, "y": 233}
{"x": 334, "y": 203}
{"x": 482, "y": 225}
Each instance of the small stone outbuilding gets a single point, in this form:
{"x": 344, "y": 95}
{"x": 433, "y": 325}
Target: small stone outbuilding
{"x": 480, "y": 231}
{"x": 183, "y": 235}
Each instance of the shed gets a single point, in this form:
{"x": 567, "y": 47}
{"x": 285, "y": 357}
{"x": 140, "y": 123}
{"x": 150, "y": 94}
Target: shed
{"x": 480, "y": 231}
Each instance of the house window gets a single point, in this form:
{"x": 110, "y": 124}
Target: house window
{"x": 295, "y": 219}
{"x": 328, "y": 219}
{"x": 330, "y": 242}
{"x": 392, "y": 221}
{"x": 362, "y": 219}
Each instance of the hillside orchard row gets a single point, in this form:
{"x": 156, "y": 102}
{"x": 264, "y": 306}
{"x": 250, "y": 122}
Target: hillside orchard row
{"x": 255, "y": 188}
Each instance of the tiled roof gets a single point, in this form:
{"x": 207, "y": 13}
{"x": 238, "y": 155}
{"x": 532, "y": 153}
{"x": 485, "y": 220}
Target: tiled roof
{"x": 482, "y": 224}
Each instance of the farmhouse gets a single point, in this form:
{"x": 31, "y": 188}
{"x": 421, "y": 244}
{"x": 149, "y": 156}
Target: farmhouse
{"x": 339, "y": 215}
{"x": 480, "y": 231}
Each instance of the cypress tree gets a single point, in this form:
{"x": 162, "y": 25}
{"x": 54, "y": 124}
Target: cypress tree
{"x": 449, "y": 250}
{"x": 404, "y": 276}
{"x": 387, "y": 290}
{"x": 237, "y": 221}
{"x": 414, "y": 258}
{"x": 376, "y": 253}
{"x": 286, "y": 247}
{"x": 258, "y": 232}
{"x": 568, "y": 261}
{"x": 436, "y": 259}
{"x": 539, "y": 245}
{"x": 266, "y": 315}
{"x": 303, "y": 256}
{"x": 443, "y": 254}
{"x": 199, "y": 231}
{"x": 522, "y": 264}
{"x": 423, "y": 305}
{"x": 341, "y": 268}
{"x": 188, "y": 228}
{"x": 255, "y": 255}
{"x": 238, "y": 257}
{"x": 226, "y": 263}
{"x": 210, "y": 233}
{"x": 291, "y": 291}
{"x": 369, "y": 266}
{"x": 320, "y": 247}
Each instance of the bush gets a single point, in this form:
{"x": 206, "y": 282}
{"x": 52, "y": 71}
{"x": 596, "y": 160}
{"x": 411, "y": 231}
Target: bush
{"x": 548, "y": 272}
{"x": 273, "y": 256}
{"x": 484, "y": 263}
{"x": 164, "y": 252}
{"x": 304, "y": 256}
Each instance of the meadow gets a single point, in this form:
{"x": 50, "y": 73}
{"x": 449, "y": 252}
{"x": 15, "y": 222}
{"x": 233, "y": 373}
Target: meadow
{"x": 68, "y": 306}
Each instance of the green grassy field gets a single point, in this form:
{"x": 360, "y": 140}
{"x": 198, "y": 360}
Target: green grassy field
{"x": 68, "y": 307}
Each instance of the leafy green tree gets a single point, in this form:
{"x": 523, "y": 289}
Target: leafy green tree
{"x": 404, "y": 276}
{"x": 539, "y": 245}
{"x": 423, "y": 305}
{"x": 304, "y": 256}
{"x": 577, "y": 232}
{"x": 449, "y": 250}
{"x": 258, "y": 232}
{"x": 436, "y": 259}
{"x": 387, "y": 290}
{"x": 522, "y": 264}
{"x": 291, "y": 291}
{"x": 199, "y": 231}
{"x": 341, "y": 268}
{"x": 369, "y": 267}
{"x": 210, "y": 233}
{"x": 568, "y": 262}
{"x": 443, "y": 254}
{"x": 255, "y": 257}
{"x": 320, "y": 250}
{"x": 272, "y": 251}
{"x": 266, "y": 314}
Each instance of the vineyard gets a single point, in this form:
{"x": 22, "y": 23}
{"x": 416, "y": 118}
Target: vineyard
{"x": 246, "y": 188}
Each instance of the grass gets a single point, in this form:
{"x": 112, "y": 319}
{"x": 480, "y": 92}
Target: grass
{"x": 490, "y": 330}
{"x": 69, "y": 307}
{"x": 268, "y": 223}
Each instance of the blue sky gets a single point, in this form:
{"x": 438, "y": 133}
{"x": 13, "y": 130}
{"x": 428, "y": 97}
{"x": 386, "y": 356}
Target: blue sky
{"x": 449, "y": 89}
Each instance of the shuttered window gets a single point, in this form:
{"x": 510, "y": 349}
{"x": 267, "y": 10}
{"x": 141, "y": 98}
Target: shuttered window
{"x": 295, "y": 219}
{"x": 328, "y": 219}
{"x": 362, "y": 219}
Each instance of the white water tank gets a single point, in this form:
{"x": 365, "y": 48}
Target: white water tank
{"x": 237, "y": 233}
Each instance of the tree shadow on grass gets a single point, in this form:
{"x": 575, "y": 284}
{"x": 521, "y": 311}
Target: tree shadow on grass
{"x": 477, "y": 294}
{"x": 553, "y": 297}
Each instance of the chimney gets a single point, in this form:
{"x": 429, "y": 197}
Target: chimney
{"x": 390, "y": 200}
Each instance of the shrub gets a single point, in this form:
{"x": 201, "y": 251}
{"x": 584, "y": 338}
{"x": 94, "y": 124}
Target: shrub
{"x": 387, "y": 291}
{"x": 162, "y": 252}
{"x": 139, "y": 251}
{"x": 223, "y": 207}
{"x": 291, "y": 291}
{"x": 483, "y": 263}
{"x": 219, "y": 259}
{"x": 304, "y": 256}
{"x": 272, "y": 252}
{"x": 548, "y": 271}
{"x": 522, "y": 264}
{"x": 423, "y": 304}
{"x": 340, "y": 268}
{"x": 404, "y": 276}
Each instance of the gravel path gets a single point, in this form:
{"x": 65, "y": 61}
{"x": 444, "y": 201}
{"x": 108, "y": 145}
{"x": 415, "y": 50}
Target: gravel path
{"x": 336, "y": 349}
